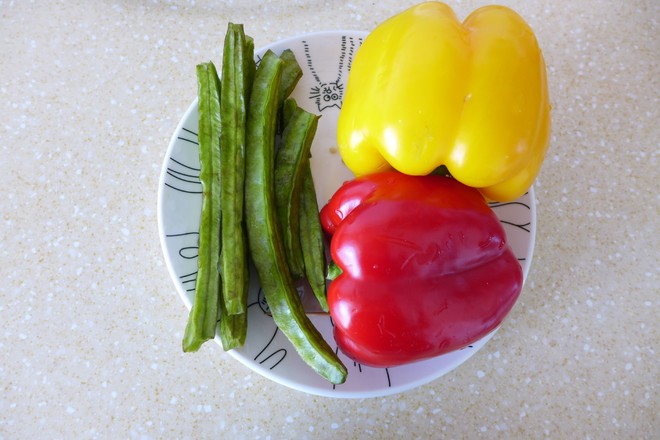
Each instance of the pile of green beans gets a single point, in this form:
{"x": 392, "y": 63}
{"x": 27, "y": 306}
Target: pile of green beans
{"x": 258, "y": 203}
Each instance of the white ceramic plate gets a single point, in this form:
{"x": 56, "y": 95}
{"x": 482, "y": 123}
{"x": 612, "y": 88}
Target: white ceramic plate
{"x": 325, "y": 58}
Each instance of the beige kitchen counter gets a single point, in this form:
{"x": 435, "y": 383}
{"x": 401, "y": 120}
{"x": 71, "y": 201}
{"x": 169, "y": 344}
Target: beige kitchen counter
{"x": 91, "y": 324}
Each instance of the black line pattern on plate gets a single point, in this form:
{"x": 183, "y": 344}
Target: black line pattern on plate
{"x": 192, "y": 178}
{"x": 265, "y": 319}
{"x": 524, "y": 227}
{"x": 187, "y": 246}
{"x": 185, "y": 252}
{"x": 190, "y": 279}
{"x": 191, "y": 136}
{"x": 330, "y": 92}
{"x": 182, "y": 177}
{"x": 282, "y": 352}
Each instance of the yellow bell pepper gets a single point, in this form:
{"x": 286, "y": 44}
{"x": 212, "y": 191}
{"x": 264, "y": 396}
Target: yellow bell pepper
{"x": 425, "y": 90}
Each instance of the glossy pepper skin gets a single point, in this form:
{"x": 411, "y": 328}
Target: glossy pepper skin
{"x": 425, "y": 267}
{"x": 426, "y": 90}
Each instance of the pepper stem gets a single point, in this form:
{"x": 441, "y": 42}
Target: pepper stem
{"x": 333, "y": 271}
{"x": 441, "y": 171}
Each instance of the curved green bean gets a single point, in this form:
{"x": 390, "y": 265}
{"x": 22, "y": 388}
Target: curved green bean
{"x": 290, "y": 161}
{"x": 264, "y": 238}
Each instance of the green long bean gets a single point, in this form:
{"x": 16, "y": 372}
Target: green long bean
{"x": 291, "y": 74}
{"x": 203, "y": 314}
{"x": 290, "y": 161}
{"x": 264, "y": 237}
{"x": 311, "y": 238}
{"x": 232, "y": 329}
{"x": 233, "y": 112}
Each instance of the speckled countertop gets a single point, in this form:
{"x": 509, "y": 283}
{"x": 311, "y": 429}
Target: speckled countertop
{"x": 90, "y": 93}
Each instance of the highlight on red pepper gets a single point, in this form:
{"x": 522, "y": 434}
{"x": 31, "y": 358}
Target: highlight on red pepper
{"x": 425, "y": 267}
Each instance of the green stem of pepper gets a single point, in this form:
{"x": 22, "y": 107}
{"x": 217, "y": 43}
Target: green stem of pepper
{"x": 333, "y": 271}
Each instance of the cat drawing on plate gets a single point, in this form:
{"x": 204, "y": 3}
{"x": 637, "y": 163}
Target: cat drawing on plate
{"x": 329, "y": 92}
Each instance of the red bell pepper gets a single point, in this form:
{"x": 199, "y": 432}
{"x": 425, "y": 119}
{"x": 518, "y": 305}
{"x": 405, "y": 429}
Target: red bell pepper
{"x": 425, "y": 267}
